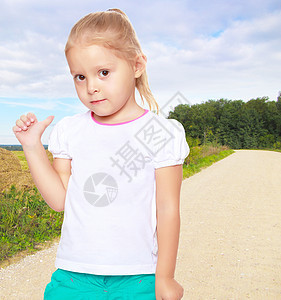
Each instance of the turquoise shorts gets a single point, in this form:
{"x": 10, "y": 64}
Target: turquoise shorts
{"x": 81, "y": 286}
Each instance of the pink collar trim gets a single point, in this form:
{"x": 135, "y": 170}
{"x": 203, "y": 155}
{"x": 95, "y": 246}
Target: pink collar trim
{"x": 92, "y": 115}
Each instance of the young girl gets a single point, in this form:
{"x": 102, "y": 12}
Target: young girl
{"x": 117, "y": 172}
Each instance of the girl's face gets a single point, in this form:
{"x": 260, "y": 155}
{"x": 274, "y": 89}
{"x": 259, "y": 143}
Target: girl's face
{"x": 104, "y": 83}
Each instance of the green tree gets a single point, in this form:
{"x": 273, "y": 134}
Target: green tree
{"x": 238, "y": 124}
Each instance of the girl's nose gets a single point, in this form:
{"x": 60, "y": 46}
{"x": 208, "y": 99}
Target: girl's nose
{"x": 92, "y": 87}
{"x": 92, "y": 90}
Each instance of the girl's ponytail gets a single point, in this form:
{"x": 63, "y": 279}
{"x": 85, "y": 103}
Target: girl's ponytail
{"x": 144, "y": 91}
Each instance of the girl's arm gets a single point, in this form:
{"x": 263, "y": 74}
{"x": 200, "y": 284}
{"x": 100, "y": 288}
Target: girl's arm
{"x": 168, "y": 185}
{"x": 51, "y": 180}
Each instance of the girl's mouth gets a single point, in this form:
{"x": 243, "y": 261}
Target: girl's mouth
{"x": 97, "y": 101}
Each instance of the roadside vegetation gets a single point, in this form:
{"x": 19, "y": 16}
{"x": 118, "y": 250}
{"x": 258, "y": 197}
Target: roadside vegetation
{"x": 27, "y": 222}
{"x": 201, "y": 157}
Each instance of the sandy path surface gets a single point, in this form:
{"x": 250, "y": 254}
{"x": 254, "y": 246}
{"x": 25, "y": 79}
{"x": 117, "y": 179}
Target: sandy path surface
{"x": 230, "y": 246}
{"x": 230, "y": 243}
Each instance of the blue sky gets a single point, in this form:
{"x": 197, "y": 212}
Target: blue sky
{"x": 203, "y": 49}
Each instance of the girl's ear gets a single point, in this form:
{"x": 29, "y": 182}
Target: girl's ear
{"x": 140, "y": 65}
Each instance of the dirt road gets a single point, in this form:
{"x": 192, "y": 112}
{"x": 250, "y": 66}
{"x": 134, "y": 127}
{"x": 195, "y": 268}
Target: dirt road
{"x": 230, "y": 243}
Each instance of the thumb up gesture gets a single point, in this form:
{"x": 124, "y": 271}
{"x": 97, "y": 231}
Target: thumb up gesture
{"x": 28, "y": 130}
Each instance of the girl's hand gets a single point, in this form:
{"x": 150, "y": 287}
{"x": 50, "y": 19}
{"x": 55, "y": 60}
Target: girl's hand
{"x": 28, "y": 130}
{"x": 168, "y": 289}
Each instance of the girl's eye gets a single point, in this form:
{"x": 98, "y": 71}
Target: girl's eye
{"x": 80, "y": 77}
{"x": 104, "y": 73}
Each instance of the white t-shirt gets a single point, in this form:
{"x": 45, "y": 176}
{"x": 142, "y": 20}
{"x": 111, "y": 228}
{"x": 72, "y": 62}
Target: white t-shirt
{"x": 109, "y": 225}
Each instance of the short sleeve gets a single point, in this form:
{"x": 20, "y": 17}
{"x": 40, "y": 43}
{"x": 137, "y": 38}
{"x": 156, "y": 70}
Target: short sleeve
{"x": 174, "y": 149}
{"x": 57, "y": 143}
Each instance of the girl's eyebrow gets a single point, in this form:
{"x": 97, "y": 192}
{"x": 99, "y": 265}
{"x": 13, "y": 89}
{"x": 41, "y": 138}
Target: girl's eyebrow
{"x": 105, "y": 65}
{"x": 73, "y": 73}
{"x": 98, "y": 67}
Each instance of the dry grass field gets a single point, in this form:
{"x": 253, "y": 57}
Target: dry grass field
{"x": 14, "y": 170}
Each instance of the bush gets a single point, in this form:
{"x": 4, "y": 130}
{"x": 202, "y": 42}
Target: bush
{"x": 198, "y": 152}
{"x": 203, "y": 162}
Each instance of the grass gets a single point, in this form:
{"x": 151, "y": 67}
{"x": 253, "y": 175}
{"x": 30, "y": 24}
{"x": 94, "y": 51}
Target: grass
{"x": 192, "y": 168}
{"x": 21, "y": 157}
{"x": 26, "y": 221}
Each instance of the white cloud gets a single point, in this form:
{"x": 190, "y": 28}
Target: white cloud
{"x": 55, "y": 104}
{"x": 43, "y": 105}
{"x": 204, "y": 49}
{"x": 34, "y": 66}
{"x": 243, "y": 62}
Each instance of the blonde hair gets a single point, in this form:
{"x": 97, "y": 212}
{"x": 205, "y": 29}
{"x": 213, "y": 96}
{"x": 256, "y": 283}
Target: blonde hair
{"x": 113, "y": 30}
